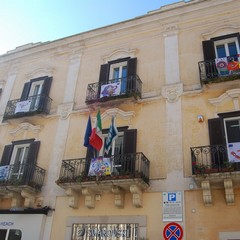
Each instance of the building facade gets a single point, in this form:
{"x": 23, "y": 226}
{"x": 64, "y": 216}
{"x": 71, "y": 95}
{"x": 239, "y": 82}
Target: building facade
{"x": 170, "y": 81}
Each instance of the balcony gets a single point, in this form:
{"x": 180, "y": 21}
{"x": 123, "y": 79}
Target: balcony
{"x": 212, "y": 169}
{"x": 38, "y": 104}
{"x": 17, "y": 177}
{"x": 209, "y": 73}
{"x": 127, "y": 87}
{"x": 129, "y": 173}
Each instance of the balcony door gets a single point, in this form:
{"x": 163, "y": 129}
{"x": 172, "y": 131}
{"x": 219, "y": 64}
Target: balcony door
{"x": 18, "y": 160}
{"x": 232, "y": 133}
{"x": 35, "y": 93}
{"x": 227, "y": 47}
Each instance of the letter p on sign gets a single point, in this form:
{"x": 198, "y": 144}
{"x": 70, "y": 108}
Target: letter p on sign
{"x": 172, "y": 197}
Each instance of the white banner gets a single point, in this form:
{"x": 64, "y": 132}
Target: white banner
{"x": 23, "y": 106}
{"x": 234, "y": 152}
{"x": 100, "y": 167}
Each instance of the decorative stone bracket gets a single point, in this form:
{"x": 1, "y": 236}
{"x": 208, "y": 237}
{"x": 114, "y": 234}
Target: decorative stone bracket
{"x": 207, "y": 195}
{"x": 229, "y": 194}
{"x": 119, "y": 196}
{"x": 73, "y": 198}
{"x": 136, "y": 196}
{"x": 89, "y": 197}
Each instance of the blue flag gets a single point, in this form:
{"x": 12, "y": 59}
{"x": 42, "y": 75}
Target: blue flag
{"x": 88, "y": 133}
{"x": 112, "y": 135}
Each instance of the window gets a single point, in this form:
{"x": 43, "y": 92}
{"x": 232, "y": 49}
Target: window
{"x": 123, "y": 150}
{"x": 36, "y": 92}
{"x": 21, "y": 156}
{"x": 10, "y": 234}
{"x": 227, "y": 47}
{"x": 218, "y": 47}
{"x": 121, "y": 71}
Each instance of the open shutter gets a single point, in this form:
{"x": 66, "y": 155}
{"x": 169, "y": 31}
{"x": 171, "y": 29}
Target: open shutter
{"x": 33, "y": 152}
{"x": 216, "y": 137}
{"x": 103, "y": 77}
{"x": 208, "y": 50}
{"x": 46, "y": 86}
{"x": 129, "y": 149}
{"x": 7, "y": 153}
{"x": 30, "y": 166}
{"x": 25, "y": 92}
{"x": 131, "y": 73}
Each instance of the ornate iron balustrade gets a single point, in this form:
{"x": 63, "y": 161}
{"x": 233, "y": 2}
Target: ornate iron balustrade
{"x": 130, "y": 86}
{"x": 132, "y": 165}
{"x": 33, "y": 105}
{"x": 22, "y": 174}
{"x": 210, "y": 159}
{"x": 209, "y": 73}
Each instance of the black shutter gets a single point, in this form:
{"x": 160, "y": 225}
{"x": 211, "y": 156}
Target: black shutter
{"x": 130, "y": 141}
{"x": 7, "y": 153}
{"x": 216, "y": 137}
{"x": 129, "y": 151}
{"x": 30, "y": 165}
{"x": 131, "y": 73}
{"x": 33, "y": 152}
{"x": 25, "y": 92}
{"x": 46, "y": 86}
{"x": 103, "y": 77}
{"x": 216, "y": 133}
{"x": 208, "y": 50}
{"x": 209, "y": 59}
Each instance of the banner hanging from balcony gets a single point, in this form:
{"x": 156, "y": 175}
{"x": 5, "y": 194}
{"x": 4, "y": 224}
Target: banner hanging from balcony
{"x": 234, "y": 152}
{"x": 100, "y": 166}
{"x": 222, "y": 66}
{"x": 111, "y": 89}
{"x": 4, "y": 172}
{"x": 23, "y": 106}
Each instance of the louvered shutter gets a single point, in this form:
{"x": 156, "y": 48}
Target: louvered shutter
{"x": 7, "y": 153}
{"x": 25, "y": 92}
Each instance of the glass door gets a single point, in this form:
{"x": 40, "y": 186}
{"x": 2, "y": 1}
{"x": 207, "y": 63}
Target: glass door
{"x": 35, "y": 94}
{"x": 232, "y": 133}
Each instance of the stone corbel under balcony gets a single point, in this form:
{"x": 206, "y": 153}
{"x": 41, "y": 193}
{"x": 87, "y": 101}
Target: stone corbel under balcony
{"x": 229, "y": 194}
{"x": 136, "y": 196}
{"x": 119, "y": 196}
{"x": 29, "y": 198}
{"x": 89, "y": 197}
{"x": 73, "y": 198}
{"x": 207, "y": 195}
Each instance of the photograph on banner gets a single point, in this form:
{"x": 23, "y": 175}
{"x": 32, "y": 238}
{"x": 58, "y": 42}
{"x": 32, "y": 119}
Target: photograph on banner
{"x": 100, "y": 166}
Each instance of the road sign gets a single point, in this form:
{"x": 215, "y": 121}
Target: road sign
{"x": 172, "y": 207}
{"x": 173, "y": 231}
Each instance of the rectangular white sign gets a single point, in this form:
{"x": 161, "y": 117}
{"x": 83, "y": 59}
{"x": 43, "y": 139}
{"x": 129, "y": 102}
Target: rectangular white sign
{"x": 172, "y": 207}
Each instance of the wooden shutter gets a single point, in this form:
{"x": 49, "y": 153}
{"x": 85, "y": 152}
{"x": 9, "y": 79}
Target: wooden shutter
{"x": 132, "y": 66}
{"x": 216, "y": 133}
{"x": 208, "y": 50}
{"x": 46, "y": 86}
{"x": 33, "y": 152}
{"x": 7, "y": 153}
{"x": 103, "y": 77}
{"x": 25, "y": 92}
{"x": 130, "y": 141}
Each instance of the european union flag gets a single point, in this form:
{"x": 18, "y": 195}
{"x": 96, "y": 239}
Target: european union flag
{"x": 88, "y": 133}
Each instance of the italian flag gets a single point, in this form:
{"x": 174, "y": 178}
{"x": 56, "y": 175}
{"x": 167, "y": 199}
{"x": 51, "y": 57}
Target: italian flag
{"x": 95, "y": 138}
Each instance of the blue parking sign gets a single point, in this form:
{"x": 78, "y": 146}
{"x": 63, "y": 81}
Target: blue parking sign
{"x": 172, "y": 197}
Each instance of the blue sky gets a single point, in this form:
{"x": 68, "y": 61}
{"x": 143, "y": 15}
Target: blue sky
{"x": 26, "y": 21}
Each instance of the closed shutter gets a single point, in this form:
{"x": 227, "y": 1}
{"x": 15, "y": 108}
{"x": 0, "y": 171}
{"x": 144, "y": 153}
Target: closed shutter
{"x": 25, "y": 92}
{"x": 7, "y": 153}
{"x": 33, "y": 152}
{"x": 103, "y": 77}
{"x": 46, "y": 86}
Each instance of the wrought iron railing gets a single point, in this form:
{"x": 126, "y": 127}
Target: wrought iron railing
{"x": 22, "y": 174}
{"x": 210, "y": 159}
{"x": 132, "y": 165}
{"x": 33, "y": 105}
{"x": 209, "y": 72}
{"x": 129, "y": 86}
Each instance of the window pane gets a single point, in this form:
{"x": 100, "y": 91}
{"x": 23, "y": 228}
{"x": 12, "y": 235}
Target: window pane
{"x": 124, "y": 71}
{"x": 3, "y": 233}
{"x": 232, "y": 49}
{"x": 221, "y": 52}
{"x": 15, "y": 234}
{"x": 115, "y": 73}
